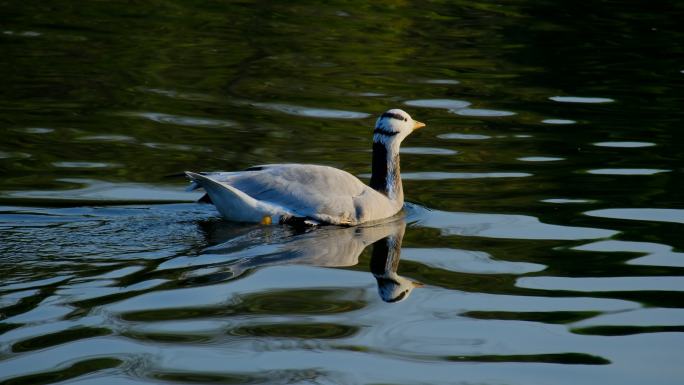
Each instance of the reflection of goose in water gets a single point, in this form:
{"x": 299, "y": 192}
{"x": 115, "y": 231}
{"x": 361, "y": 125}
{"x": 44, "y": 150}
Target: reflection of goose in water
{"x": 249, "y": 249}
{"x": 384, "y": 264}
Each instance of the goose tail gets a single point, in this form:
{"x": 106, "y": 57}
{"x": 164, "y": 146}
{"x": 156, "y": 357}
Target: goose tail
{"x": 232, "y": 203}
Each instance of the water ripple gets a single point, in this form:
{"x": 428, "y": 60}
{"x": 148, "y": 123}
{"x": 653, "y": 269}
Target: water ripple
{"x": 178, "y": 94}
{"x": 14, "y": 154}
{"x": 182, "y": 120}
{"x": 481, "y": 112}
{"x": 540, "y": 159}
{"x": 61, "y": 358}
{"x": 95, "y": 190}
{"x": 567, "y": 200}
{"x": 108, "y": 138}
{"x": 310, "y": 112}
{"x": 558, "y": 121}
{"x": 442, "y": 81}
{"x": 580, "y": 99}
{"x": 22, "y": 33}
{"x": 38, "y": 130}
{"x": 176, "y": 147}
{"x": 468, "y": 261}
{"x": 85, "y": 165}
{"x": 641, "y": 214}
{"x": 448, "y": 104}
{"x": 626, "y": 171}
{"x": 604, "y": 284}
{"x": 656, "y": 254}
{"x": 435, "y": 175}
{"x": 501, "y": 226}
{"x": 625, "y": 144}
{"x": 455, "y": 135}
{"x": 637, "y": 317}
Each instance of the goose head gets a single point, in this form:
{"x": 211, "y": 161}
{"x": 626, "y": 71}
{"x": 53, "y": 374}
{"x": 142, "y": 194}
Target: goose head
{"x": 394, "y": 288}
{"x": 393, "y": 126}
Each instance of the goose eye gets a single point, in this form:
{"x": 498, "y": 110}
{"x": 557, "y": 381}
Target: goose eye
{"x": 406, "y": 119}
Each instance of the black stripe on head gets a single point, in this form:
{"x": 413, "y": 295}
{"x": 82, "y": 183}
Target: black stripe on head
{"x": 393, "y": 116}
{"x": 382, "y": 131}
{"x": 397, "y": 298}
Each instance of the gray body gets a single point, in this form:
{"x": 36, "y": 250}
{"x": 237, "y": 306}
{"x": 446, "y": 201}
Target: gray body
{"x": 319, "y": 193}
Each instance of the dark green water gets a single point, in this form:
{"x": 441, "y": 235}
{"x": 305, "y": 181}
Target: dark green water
{"x": 546, "y": 209}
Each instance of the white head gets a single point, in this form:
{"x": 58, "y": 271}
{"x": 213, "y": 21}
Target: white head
{"x": 393, "y": 126}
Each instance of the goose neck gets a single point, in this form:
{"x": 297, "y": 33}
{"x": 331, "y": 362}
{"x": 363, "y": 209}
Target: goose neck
{"x": 386, "y": 177}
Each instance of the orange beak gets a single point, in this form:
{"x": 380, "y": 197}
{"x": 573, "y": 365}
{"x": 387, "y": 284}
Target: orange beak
{"x": 417, "y": 124}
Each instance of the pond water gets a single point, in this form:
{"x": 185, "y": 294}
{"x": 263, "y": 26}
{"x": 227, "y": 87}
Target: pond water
{"x": 541, "y": 242}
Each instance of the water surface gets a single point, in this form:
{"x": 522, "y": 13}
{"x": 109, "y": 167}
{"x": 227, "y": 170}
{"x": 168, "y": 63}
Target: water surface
{"x": 541, "y": 242}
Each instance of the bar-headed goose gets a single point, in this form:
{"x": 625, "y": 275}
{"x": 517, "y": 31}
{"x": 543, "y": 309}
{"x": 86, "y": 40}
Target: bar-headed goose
{"x": 312, "y": 194}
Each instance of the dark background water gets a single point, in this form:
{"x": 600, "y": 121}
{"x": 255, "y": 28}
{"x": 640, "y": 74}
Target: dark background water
{"x": 545, "y": 215}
